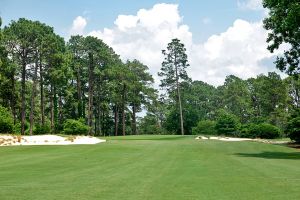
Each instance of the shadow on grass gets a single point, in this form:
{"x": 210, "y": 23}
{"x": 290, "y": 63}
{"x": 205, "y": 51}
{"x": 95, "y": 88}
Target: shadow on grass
{"x": 272, "y": 155}
{"x": 170, "y": 138}
{"x": 147, "y": 137}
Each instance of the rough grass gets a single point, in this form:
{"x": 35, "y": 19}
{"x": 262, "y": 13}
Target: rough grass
{"x": 151, "y": 167}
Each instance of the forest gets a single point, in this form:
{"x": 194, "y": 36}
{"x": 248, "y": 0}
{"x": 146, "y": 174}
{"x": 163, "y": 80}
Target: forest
{"x": 81, "y": 86}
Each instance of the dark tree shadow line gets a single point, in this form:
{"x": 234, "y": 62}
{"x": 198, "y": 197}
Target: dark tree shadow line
{"x": 272, "y": 155}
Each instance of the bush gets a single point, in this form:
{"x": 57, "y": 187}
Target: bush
{"x": 41, "y": 129}
{"x": 249, "y": 131}
{"x": 74, "y": 127}
{"x": 149, "y": 125}
{"x": 6, "y": 121}
{"x": 268, "y": 131}
{"x": 293, "y": 129}
{"x": 227, "y": 124}
{"x": 263, "y": 130}
{"x": 206, "y": 127}
{"x": 17, "y": 128}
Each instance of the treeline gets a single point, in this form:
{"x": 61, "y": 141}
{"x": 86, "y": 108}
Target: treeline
{"x": 237, "y": 108}
{"x": 81, "y": 85}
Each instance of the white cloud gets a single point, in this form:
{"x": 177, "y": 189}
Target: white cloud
{"x": 144, "y": 35}
{"x": 78, "y": 25}
{"x": 240, "y": 50}
{"x": 250, "y": 4}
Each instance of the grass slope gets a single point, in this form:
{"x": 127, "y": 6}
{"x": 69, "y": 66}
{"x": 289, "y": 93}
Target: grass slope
{"x": 151, "y": 167}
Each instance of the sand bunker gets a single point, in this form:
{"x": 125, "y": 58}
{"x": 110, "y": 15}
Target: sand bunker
{"x": 8, "y": 140}
{"x": 229, "y": 139}
{"x": 232, "y": 139}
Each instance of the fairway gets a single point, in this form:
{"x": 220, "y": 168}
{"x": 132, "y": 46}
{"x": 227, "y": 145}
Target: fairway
{"x": 151, "y": 167}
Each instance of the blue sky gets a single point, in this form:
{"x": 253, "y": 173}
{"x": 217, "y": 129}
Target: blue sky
{"x": 100, "y": 14}
{"x": 222, "y": 37}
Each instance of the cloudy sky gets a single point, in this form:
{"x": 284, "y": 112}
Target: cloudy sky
{"x": 222, "y": 37}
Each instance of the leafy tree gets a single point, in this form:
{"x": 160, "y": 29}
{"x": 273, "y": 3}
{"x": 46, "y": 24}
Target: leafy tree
{"x": 293, "y": 129}
{"x": 293, "y": 86}
{"x": 205, "y": 127}
{"x": 236, "y": 97}
{"x": 74, "y": 127}
{"x": 174, "y": 71}
{"x": 269, "y": 99}
{"x": 7, "y": 78}
{"x": 284, "y": 23}
{"x": 76, "y": 48}
{"x": 227, "y": 124}
{"x": 293, "y": 126}
{"x": 201, "y": 97}
{"x": 43, "y": 35}
{"x": 6, "y": 121}
{"x": 20, "y": 41}
{"x": 140, "y": 89}
{"x": 150, "y": 125}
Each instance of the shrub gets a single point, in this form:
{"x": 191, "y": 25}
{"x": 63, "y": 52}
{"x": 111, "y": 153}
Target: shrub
{"x": 17, "y": 128}
{"x": 41, "y": 129}
{"x": 268, "y": 131}
{"x": 6, "y": 121}
{"x": 205, "y": 127}
{"x": 74, "y": 127}
{"x": 227, "y": 124}
{"x": 149, "y": 125}
{"x": 249, "y": 131}
{"x": 293, "y": 129}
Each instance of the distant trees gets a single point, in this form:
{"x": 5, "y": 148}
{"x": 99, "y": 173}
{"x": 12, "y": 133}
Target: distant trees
{"x": 265, "y": 99}
{"x": 53, "y": 83}
{"x": 82, "y": 86}
{"x": 173, "y": 71}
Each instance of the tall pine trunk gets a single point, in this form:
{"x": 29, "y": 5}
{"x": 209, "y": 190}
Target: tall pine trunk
{"x": 99, "y": 119}
{"x": 123, "y": 121}
{"x": 42, "y": 94}
{"x": 23, "y": 88}
{"x": 179, "y": 99}
{"x": 12, "y": 98}
{"x": 79, "y": 97}
{"x": 116, "y": 119}
{"x": 33, "y": 92}
{"x": 123, "y": 111}
{"x": 134, "y": 119}
{"x": 52, "y": 108}
{"x": 91, "y": 84}
{"x": 60, "y": 110}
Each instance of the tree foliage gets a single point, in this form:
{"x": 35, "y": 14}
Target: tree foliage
{"x": 205, "y": 127}
{"x": 173, "y": 71}
{"x": 227, "y": 124}
{"x": 6, "y": 121}
{"x": 284, "y": 23}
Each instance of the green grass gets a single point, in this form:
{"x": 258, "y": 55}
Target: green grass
{"x": 151, "y": 167}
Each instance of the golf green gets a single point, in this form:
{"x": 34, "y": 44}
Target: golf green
{"x": 151, "y": 167}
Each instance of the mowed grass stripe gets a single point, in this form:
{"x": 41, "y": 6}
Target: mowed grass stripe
{"x": 151, "y": 167}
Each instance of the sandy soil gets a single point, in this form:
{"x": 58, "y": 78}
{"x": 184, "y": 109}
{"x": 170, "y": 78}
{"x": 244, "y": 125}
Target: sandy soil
{"x": 232, "y": 139}
{"x": 9, "y": 140}
{"x": 229, "y": 139}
